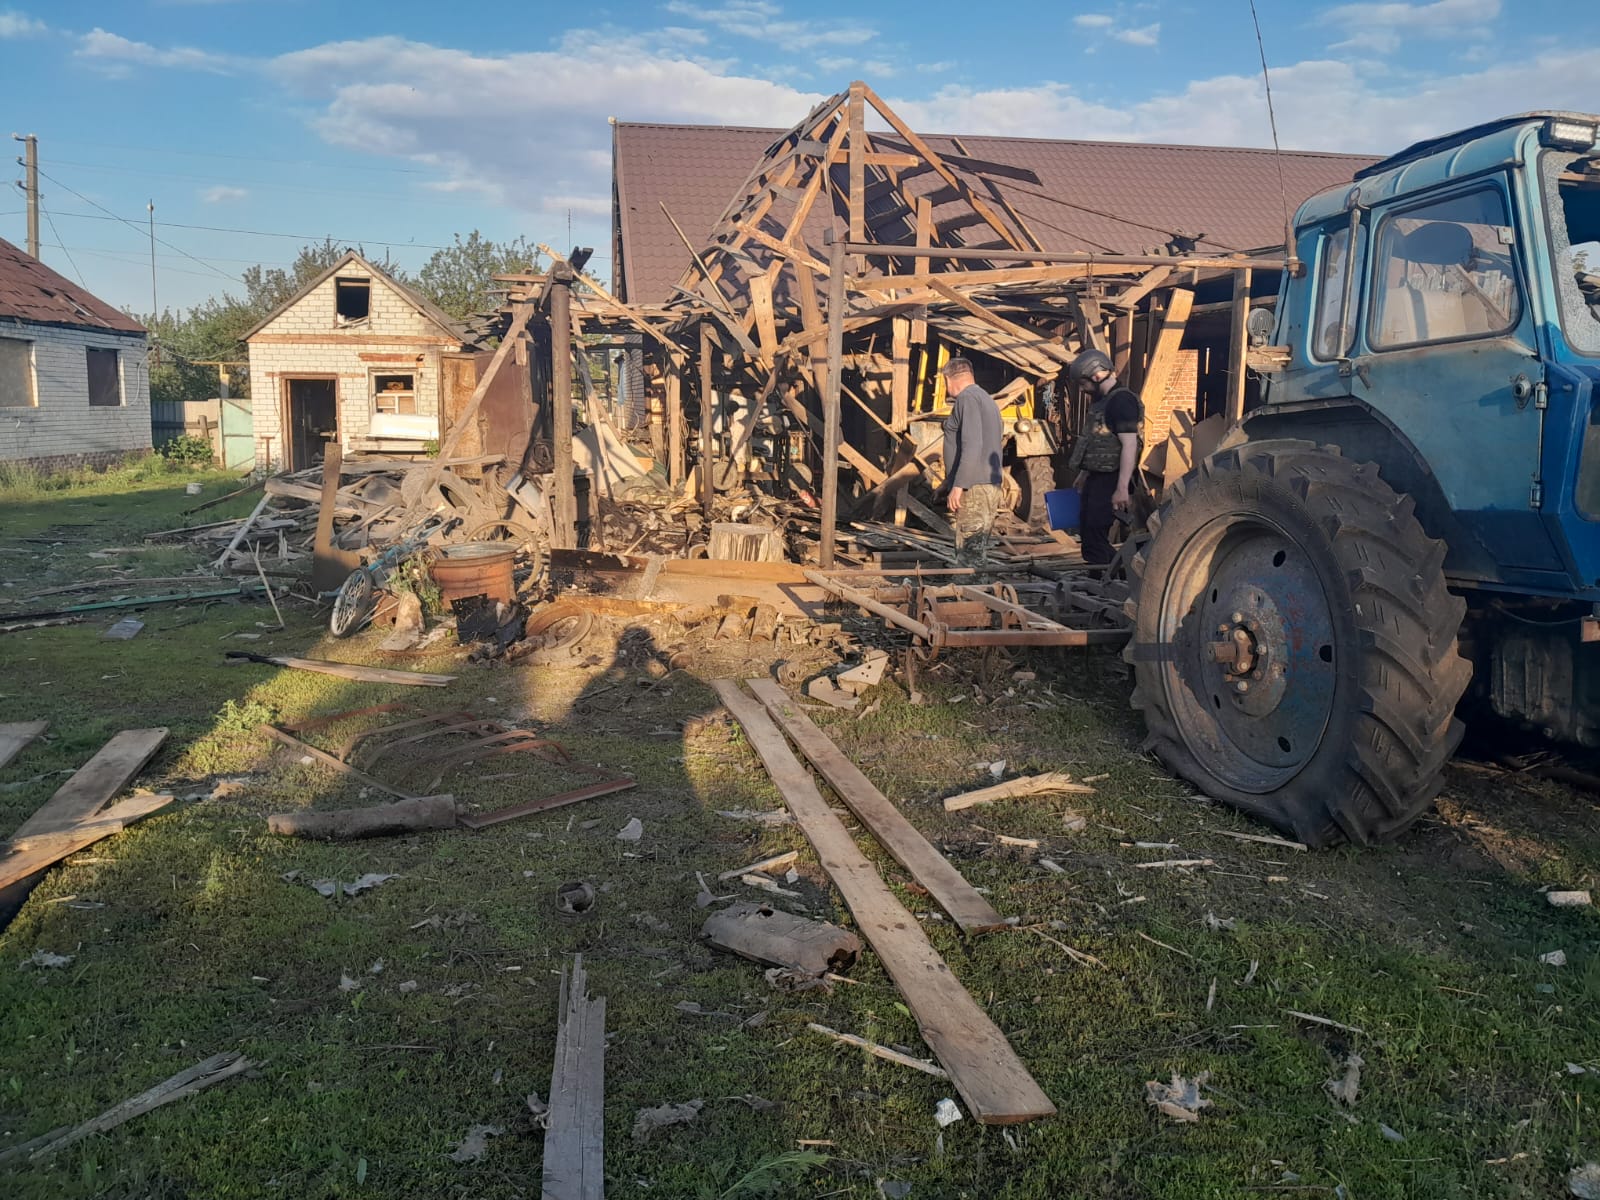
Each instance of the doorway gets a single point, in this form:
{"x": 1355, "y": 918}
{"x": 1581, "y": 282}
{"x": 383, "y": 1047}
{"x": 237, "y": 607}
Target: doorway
{"x": 310, "y": 417}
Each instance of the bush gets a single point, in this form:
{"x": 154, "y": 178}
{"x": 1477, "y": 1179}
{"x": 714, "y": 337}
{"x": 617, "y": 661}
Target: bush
{"x": 188, "y": 450}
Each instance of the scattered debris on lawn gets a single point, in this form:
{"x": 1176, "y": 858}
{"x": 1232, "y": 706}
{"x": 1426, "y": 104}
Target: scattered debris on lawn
{"x": 883, "y": 1052}
{"x": 1316, "y": 1020}
{"x": 946, "y": 1113}
{"x": 1390, "y": 1134}
{"x": 766, "y": 864}
{"x": 1554, "y": 958}
{"x": 650, "y": 1120}
{"x": 1584, "y": 1182}
{"x": 1179, "y": 1099}
{"x": 1345, "y": 1088}
{"x": 180, "y": 1086}
{"x": 379, "y": 820}
{"x": 124, "y": 630}
{"x": 1218, "y": 924}
{"x": 575, "y": 898}
{"x": 44, "y": 958}
{"x": 632, "y": 831}
{"x": 775, "y": 816}
{"x": 761, "y": 933}
{"x": 574, "y": 1137}
{"x": 476, "y": 1144}
{"x": 1023, "y": 785}
{"x": 327, "y": 887}
{"x": 1569, "y": 899}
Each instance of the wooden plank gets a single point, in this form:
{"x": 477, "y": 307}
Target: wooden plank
{"x": 574, "y": 1136}
{"x": 708, "y": 402}
{"x": 677, "y": 460}
{"x": 883, "y": 820}
{"x": 95, "y": 783}
{"x": 761, "y": 306}
{"x": 30, "y": 853}
{"x": 14, "y": 737}
{"x": 900, "y": 375}
{"x": 1238, "y": 347}
{"x": 346, "y": 670}
{"x": 857, "y": 149}
{"x": 1028, "y": 785}
{"x": 1031, "y": 339}
{"x": 984, "y": 1068}
{"x": 1165, "y": 356}
{"x": 830, "y": 404}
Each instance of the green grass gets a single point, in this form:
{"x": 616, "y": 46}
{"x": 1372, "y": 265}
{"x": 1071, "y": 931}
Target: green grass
{"x": 1431, "y": 947}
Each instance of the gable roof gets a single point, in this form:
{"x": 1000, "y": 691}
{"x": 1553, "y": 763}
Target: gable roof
{"x": 420, "y": 302}
{"x": 1229, "y": 194}
{"x": 32, "y": 292}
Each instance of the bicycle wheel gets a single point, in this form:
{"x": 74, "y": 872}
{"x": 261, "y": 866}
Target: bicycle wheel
{"x": 353, "y": 605}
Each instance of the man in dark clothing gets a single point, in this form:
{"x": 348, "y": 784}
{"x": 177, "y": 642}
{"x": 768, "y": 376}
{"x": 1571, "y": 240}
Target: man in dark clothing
{"x": 972, "y": 449}
{"x": 1106, "y": 453}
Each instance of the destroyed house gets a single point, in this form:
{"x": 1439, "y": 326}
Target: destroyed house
{"x": 678, "y": 184}
{"x": 357, "y": 356}
{"x": 74, "y": 371}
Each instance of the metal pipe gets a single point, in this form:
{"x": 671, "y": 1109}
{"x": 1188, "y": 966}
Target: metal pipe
{"x": 877, "y": 249}
{"x": 890, "y": 614}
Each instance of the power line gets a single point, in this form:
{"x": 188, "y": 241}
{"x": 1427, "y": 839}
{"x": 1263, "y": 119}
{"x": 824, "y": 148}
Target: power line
{"x": 286, "y": 162}
{"x": 131, "y": 225}
{"x": 266, "y": 185}
{"x": 127, "y": 258}
{"x": 51, "y": 222}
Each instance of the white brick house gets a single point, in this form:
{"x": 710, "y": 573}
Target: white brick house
{"x": 354, "y": 355}
{"x": 74, "y": 372}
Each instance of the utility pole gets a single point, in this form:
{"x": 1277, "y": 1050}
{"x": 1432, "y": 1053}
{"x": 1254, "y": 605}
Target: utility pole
{"x": 154, "y": 310}
{"x": 30, "y": 187}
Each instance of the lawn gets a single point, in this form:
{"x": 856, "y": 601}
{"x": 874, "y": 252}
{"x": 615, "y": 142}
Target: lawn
{"x": 387, "y": 1024}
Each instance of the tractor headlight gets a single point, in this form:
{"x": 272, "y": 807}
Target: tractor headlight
{"x": 1024, "y": 426}
{"x": 1568, "y": 134}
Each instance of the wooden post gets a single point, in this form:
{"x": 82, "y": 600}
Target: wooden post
{"x": 900, "y": 376}
{"x": 919, "y": 327}
{"x": 1122, "y": 344}
{"x": 676, "y": 465}
{"x": 1237, "y": 345}
{"x": 856, "y": 115}
{"x": 830, "y": 403}
{"x": 707, "y": 426}
{"x": 1168, "y": 342}
{"x": 564, "y": 534}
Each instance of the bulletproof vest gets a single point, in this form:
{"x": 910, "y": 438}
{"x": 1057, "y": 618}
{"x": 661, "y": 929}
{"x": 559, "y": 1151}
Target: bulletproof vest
{"x": 1098, "y": 448}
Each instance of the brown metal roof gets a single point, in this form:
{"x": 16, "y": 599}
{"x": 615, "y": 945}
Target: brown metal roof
{"x": 415, "y": 298}
{"x": 31, "y": 291}
{"x": 1230, "y": 195}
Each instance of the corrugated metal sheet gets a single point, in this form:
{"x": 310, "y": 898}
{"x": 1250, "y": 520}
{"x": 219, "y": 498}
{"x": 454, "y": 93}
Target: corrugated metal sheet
{"x": 1231, "y": 195}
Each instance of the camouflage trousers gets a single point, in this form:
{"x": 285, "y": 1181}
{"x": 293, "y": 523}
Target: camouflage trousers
{"x": 973, "y": 521}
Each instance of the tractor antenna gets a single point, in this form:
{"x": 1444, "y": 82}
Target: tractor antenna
{"x": 1291, "y": 264}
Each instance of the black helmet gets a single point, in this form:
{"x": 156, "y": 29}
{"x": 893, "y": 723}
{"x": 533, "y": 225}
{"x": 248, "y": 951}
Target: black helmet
{"x": 1086, "y": 364}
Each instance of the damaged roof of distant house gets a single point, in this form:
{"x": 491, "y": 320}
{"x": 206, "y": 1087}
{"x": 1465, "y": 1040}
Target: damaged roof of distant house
{"x": 1231, "y": 195}
{"x": 32, "y": 292}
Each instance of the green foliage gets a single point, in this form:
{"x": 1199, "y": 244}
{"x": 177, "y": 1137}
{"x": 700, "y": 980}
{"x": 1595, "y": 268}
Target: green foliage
{"x": 775, "y": 1175}
{"x": 241, "y": 717}
{"x": 413, "y": 576}
{"x": 188, "y": 451}
{"x": 460, "y": 278}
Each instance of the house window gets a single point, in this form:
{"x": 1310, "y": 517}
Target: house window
{"x": 352, "y": 300}
{"x": 17, "y": 389}
{"x": 105, "y": 379}
{"x": 394, "y": 394}
{"x": 1445, "y": 272}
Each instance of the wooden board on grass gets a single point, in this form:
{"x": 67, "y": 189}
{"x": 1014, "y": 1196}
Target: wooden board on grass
{"x": 902, "y": 839}
{"x": 94, "y": 784}
{"x": 984, "y": 1068}
{"x": 14, "y": 737}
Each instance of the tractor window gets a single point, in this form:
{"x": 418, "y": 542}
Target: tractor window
{"x": 1575, "y": 245}
{"x": 1445, "y": 272}
{"x": 1329, "y": 340}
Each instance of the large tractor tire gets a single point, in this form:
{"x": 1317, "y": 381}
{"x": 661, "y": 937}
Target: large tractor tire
{"x": 1032, "y": 477}
{"x": 1294, "y": 647}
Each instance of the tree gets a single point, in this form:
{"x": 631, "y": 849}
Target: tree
{"x": 460, "y": 278}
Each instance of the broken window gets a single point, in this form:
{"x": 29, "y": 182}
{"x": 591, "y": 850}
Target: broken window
{"x": 1445, "y": 272}
{"x": 105, "y": 379}
{"x": 1329, "y": 339}
{"x": 394, "y": 394}
{"x": 1575, "y": 245}
{"x": 352, "y": 300}
{"x": 17, "y": 388}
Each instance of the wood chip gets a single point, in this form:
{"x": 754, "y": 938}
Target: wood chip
{"x": 883, "y": 1052}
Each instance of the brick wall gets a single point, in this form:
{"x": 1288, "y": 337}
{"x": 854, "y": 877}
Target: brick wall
{"x": 307, "y": 339}
{"x": 1180, "y": 393}
{"x": 62, "y": 428}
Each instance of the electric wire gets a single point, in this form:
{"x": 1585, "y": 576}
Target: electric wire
{"x": 1277, "y": 151}
{"x": 51, "y": 222}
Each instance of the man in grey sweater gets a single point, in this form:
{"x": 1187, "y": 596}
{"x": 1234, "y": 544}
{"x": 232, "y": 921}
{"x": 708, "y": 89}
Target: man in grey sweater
{"x": 972, "y": 449}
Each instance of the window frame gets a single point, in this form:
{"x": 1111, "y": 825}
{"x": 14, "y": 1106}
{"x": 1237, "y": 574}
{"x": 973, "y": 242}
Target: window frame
{"x": 1325, "y": 239}
{"x": 121, "y": 400}
{"x": 31, "y": 366}
{"x": 339, "y": 283}
{"x": 373, "y": 392}
{"x": 1494, "y": 184}
{"x": 1550, "y": 199}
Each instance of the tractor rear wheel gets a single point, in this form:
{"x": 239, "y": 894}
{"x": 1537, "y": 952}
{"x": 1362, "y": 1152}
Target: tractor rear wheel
{"x": 1294, "y": 647}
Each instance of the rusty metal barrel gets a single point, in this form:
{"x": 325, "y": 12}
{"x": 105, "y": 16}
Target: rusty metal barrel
{"x": 475, "y": 569}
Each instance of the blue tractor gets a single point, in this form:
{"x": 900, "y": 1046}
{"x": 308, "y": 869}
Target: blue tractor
{"x": 1409, "y": 522}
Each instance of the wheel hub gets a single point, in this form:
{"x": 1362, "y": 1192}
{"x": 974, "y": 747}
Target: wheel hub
{"x": 1251, "y": 653}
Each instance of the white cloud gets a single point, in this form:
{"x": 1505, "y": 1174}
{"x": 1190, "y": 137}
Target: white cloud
{"x": 759, "y": 20}
{"x": 1146, "y": 35}
{"x": 223, "y": 194}
{"x": 1382, "y": 27}
{"x": 1321, "y": 105}
{"x": 19, "y": 25}
{"x": 548, "y": 148}
{"x": 1094, "y": 20}
{"x": 116, "y": 55}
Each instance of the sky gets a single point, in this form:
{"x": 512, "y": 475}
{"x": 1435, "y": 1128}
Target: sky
{"x": 255, "y": 126}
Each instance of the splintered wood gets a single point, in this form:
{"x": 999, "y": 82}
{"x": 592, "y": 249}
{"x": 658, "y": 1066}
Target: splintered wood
{"x": 574, "y": 1137}
{"x": 1027, "y": 785}
{"x": 984, "y": 1068}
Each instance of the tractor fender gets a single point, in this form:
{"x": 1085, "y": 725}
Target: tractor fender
{"x": 1363, "y": 434}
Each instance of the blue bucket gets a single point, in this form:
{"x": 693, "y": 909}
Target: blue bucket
{"x": 1062, "y": 506}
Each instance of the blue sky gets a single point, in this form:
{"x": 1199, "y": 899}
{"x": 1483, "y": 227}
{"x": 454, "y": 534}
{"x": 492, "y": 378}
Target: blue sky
{"x": 398, "y": 124}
